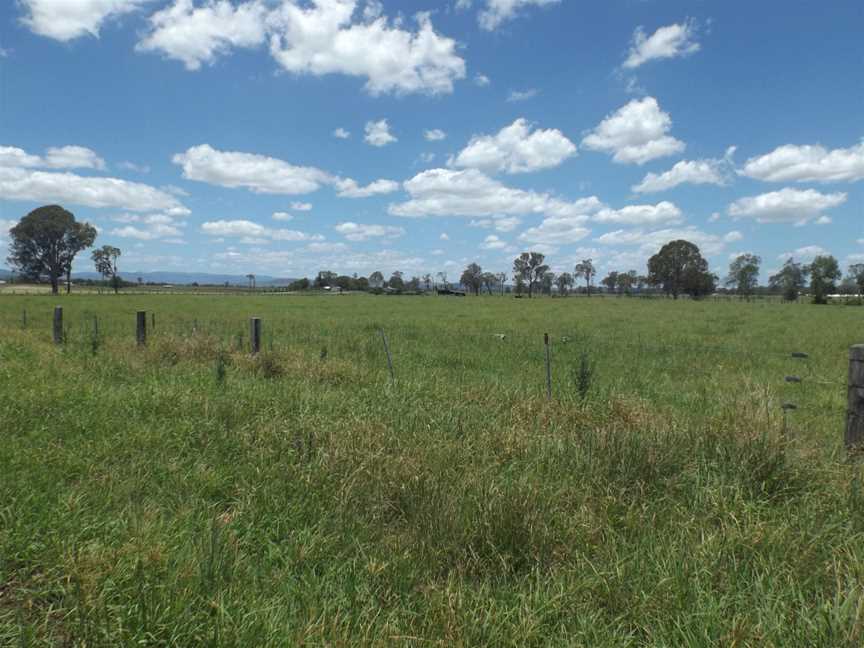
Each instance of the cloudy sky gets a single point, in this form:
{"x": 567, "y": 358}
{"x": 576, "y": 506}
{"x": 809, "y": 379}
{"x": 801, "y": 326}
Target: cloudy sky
{"x": 285, "y": 137}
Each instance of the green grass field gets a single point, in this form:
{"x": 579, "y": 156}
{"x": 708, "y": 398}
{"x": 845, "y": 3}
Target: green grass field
{"x": 188, "y": 494}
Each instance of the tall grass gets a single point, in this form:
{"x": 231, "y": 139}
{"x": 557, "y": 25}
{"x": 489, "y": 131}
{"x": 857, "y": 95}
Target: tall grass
{"x": 189, "y": 494}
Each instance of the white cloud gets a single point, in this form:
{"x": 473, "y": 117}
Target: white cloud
{"x": 341, "y": 133}
{"x": 786, "y": 206}
{"x": 378, "y": 133}
{"x": 253, "y": 233}
{"x": 301, "y": 206}
{"x": 714, "y": 217}
{"x": 196, "y": 35}
{"x": 46, "y": 187}
{"x": 64, "y": 20}
{"x": 671, "y": 41}
{"x": 444, "y": 237}
{"x": 649, "y": 242}
{"x": 516, "y": 148}
{"x": 137, "y": 168}
{"x": 522, "y": 95}
{"x": 153, "y": 232}
{"x": 662, "y": 212}
{"x": 557, "y": 230}
{"x": 447, "y": 192}
{"x": 806, "y": 253}
{"x": 823, "y": 220}
{"x": 434, "y": 134}
{"x": 635, "y": 133}
{"x": 708, "y": 171}
{"x": 501, "y": 224}
{"x": 481, "y": 80}
{"x": 323, "y": 38}
{"x": 11, "y": 156}
{"x": 807, "y": 163}
{"x": 496, "y": 12}
{"x": 492, "y": 242}
{"x": 282, "y": 216}
{"x": 263, "y": 174}
{"x": 362, "y": 232}
{"x": 349, "y": 188}
{"x": 73, "y": 157}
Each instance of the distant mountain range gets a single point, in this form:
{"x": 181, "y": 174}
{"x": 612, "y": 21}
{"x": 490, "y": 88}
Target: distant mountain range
{"x": 181, "y": 278}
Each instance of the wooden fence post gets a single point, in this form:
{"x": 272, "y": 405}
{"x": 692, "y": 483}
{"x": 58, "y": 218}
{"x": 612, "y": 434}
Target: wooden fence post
{"x": 255, "y": 334}
{"x": 58, "y": 325}
{"x": 141, "y": 328}
{"x": 153, "y": 321}
{"x": 548, "y": 367}
{"x": 855, "y": 409}
{"x": 389, "y": 359}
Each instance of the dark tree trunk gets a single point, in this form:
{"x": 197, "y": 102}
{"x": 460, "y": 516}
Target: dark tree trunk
{"x": 55, "y": 285}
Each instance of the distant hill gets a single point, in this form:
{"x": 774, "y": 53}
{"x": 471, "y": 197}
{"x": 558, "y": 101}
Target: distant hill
{"x": 181, "y": 278}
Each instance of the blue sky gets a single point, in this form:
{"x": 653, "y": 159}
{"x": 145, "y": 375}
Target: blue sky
{"x": 285, "y": 137}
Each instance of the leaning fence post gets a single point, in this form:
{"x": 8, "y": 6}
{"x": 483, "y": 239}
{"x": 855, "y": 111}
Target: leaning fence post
{"x": 548, "y": 367}
{"x": 255, "y": 334}
{"x": 153, "y": 321}
{"x": 58, "y": 325}
{"x": 141, "y": 328}
{"x": 24, "y": 319}
{"x": 389, "y": 358}
{"x": 855, "y": 409}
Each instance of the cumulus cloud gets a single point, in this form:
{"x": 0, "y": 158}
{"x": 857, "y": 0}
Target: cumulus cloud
{"x": 254, "y": 233}
{"x": 341, "y": 133}
{"x": 807, "y": 163}
{"x": 196, "y": 35}
{"x": 500, "y": 224}
{"x": 635, "y": 133}
{"x": 18, "y": 183}
{"x": 378, "y": 133}
{"x": 517, "y": 148}
{"x": 448, "y": 192}
{"x": 363, "y": 232}
{"x": 434, "y": 134}
{"x": 282, "y": 216}
{"x": 150, "y": 228}
{"x": 708, "y": 171}
{"x": 806, "y": 253}
{"x": 496, "y": 12}
{"x": 301, "y": 206}
{"x": 73, "y": 157}
{"x": 672, "y": 41}
{"x": 649, "y": 242}
{"x": 12, "y": 156}
{"x": 326, "y": 37}
{"x": 263, "y": 174}
{"x": 492, "y": 242}
{"x": 557, "y": 230}
{"x": 64, "y": 20}
{"x": 786, "y": 206}
{"x": 662, "y": 212}
{"x": 481, "y": 80}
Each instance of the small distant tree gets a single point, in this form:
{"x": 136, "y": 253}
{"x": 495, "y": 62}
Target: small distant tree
{"x": 324, "y": 278}
{"x": 442, "y": 277}
{"x": 790, "y": 280}
{"x": 564, "y": 281}
{"x": 502, "y": 279}
{"x": 611, "y": 281}
{"x": 413, "y": 284}
{"x": 824, "y": 274}
{"x": 105, "y": 260}
{"x": 546, "y": 282}
{"x": 490, "y": 281}
{"x": 529, "y": 267}
{"x": 744, "y": 274}
{"x": 586, "y": 270}
{"x": 396, "y": 282}
{"x": 376, "y": 279}
{"x": 626, "y": 281}
{"x": 251, "y": 279}
{"x": 856, "y": 275}
{"x": 472, "y": 278}
{"x": 427, "y": 281}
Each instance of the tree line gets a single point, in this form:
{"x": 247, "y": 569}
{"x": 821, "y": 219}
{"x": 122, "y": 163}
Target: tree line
{"x": 45, "y": 242}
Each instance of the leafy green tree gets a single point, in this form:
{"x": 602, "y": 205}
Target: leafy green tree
{"x": 856, "y": 274}
{"x": 105, "y": 260}
{"x": 529, "y": 268}
{"x": 46, "y": 241}
{"x": 396, "y": 282}
{"x": 472, "y": 278}
{"x": 610, "y": 281}
{"x": 744, "y": 274}
{"x": 586, "y": 270}
{"x": 824, "y": 274}
{"x": 376, "y": 279}
{"x": 790, "y": 280}
{"x": 680, "y": 268}
{"x": 546, "y": 282}
{"x": 502, "y": 278}
{"x": 490, "y": 281}
{"x": 626, "y": 281}
{"x": 565, "y": 282}
{"x": 325, "y": 278}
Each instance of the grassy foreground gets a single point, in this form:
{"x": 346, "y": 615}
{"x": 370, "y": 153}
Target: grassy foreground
{"x": 187, "y": 494}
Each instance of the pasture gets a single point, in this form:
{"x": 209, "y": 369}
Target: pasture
{"x": 186, "y": 493}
